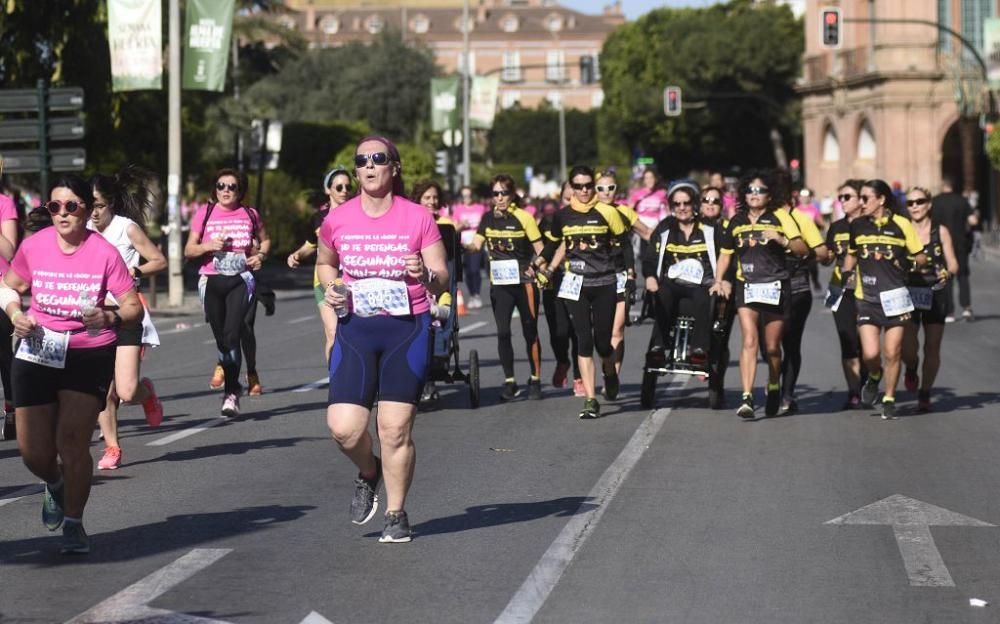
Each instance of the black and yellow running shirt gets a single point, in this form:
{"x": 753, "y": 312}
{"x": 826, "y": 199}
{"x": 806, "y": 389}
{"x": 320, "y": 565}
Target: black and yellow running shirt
{"x": 508, "y": 236}
{"x": 760, "y": 260}
{"x": 626, "y": 259}
{"x": 882, "y": 247}
{"x": 669, "y": 246}
{"x": 838, "y": 239}
{"x": 929, "y": 274}
{"x": 592, "y": 237}
{"x": 798, "y": 268}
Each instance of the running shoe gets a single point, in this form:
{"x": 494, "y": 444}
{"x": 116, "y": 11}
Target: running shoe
{"x": 559, "y": 375}
{"x": 888, "y": 410}
{"x": 698, "y": 358}
{"x": 111, "y": 460}
{"x": 924, "y": 401}
{"x": 591, "y": 409}
{"x": 397, "y": 528}
{"x": 745, "y": 410}
{"x": 52, "y": 508}
{"x": 910, "y": 380}
{"x": 510, "y": 391}
{"x": 853, "y": 402}
{"x": 773, "y": 403}
{"x": 949, "y": 319}
{"x": 218, "y": 378}
{"x": 74, "y": 540}
{"x": 535, "y": 389}
{"x": 365, "y": 501}
{"x": 611, "y": 386}
{"x": 869, "y": 392}
{"x": 231, "y": 406}
{"x": 253, "y": 383}
{"x": 578, "y": 389}
{"x": 789, "y": 406}
{"x": 967, "y": 315}
{"x": 475, "y": 302}
{"x": 152, "y": 406}
{"x": 8, "y": 431}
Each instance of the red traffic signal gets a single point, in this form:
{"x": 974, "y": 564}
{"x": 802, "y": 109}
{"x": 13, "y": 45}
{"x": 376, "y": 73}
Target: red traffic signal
{"x": 829, "y": 27}
{"x": 672, "y": 101}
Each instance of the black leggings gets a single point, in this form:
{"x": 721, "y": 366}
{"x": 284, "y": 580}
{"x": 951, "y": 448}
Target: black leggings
{"x": 525, "y": 298}
{"x": 846, "y": 320}
{"x": 562, "y": 338}
{"x": 248, "y": 339}
{"x": 226, "y": 306}
{"x": 6, "y": 356}
{"x": 668, "y": 299}
{"x": 791, "y": 341}
{"x": 593, "y": 317}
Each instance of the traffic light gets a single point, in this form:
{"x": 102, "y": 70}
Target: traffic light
{"x": 830, "y": 27}
{"x": 672, "y": 101}
{"x": 441, "y": 162}
{"x": 586, "y": 69}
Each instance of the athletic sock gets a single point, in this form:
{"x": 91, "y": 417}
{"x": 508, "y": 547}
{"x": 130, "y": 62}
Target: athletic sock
{"x": 876, "y": 376}
{"x": 68, "y": 520}
{"x": 510, "y": 380}
{"x": 747, "y": 396}
{"x": 535, "y": 378}
{"x": 773, "y": 387}
{"x": 888, "y": 399}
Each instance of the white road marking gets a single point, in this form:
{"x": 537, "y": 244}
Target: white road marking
{"x": 184, "y": 433}
{"x": 911, "y": 521}
{"x": 543, "y": 578}
{"x": 209, "y": 341}
{"x": 302, "y": 319}
{"x": 475, "y": 325}
{"x": 24, "y": 492}
{"x": 319, "y": 383}
{"x": 315, "y": 618}
{"x": 178, "y": 330}
{"x": 129, "y": 605}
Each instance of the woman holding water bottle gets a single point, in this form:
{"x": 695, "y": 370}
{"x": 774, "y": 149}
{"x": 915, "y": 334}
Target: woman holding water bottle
{"x": 388, "y": 252}
{"x": 66, "y": 356}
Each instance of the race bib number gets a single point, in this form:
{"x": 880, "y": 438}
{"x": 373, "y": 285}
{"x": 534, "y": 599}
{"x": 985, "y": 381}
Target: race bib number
{"x": 571, "y": 286}
{"x": 47, "y": 348}
{"x": 896, "y": 301}
{"x": 620, "y": 280}
{"x": 505, "y": 272}
{"x": 467, "y": 236}
{"x": 229, "y": 262}
{"x": 922, "y": 298}
{"x": 768, "y": 293}
{"x": 689, "y": 271}
{"x": 376, "y": 295}
{"x": 834, "y": 295}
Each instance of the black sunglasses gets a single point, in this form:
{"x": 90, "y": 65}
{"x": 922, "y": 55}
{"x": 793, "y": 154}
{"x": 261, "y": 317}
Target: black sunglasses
{"x": 222, "y": 186}
{"x": 380, "y": 159}
{"x": 757, "y": 190}
{"x": 55, "y": 205}
{"x": 715, "y": 201}
{"x": 916, "y": 202}
{"x": 677, "y": 204}
{"x": 341, "y": 188}
{"x": 501, "y": 193}
{"x": 845, "y": 197}
{"x": 864, "y": 198}
{"x": 586, "y": 186}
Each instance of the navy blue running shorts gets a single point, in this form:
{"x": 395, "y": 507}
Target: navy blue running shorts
{"x": 387, "y": 356}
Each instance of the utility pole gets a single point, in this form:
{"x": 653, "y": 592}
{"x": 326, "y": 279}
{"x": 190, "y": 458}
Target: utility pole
{"x": 562, "y": 138}
{"x": 466, "y": 139}
{"x": 174, "y": 253}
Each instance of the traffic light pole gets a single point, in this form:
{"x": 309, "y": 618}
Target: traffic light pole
{"x": 174, "y": 254}
{"x": 43, "y": 137}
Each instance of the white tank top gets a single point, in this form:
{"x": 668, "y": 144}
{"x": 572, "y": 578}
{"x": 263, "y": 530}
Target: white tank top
{"x": 117, "y": 234}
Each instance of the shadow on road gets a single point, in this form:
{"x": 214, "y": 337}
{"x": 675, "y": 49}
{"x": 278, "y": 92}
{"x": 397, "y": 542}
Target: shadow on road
{"x": 230, "y": 448}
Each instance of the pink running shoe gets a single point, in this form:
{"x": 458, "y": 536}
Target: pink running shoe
{"x": 111, "y": 460}
{"x": 152, "y": 405}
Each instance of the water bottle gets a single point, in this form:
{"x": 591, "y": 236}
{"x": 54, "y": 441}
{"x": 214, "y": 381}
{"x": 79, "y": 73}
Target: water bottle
{"x": 87, "y": 305}
{"x": 341, "y": 288}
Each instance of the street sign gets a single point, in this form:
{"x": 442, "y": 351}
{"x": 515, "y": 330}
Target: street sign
{"x": 26, "y": 130}
{"x": 30, "y": 161}
{"x": 26, "y": 100}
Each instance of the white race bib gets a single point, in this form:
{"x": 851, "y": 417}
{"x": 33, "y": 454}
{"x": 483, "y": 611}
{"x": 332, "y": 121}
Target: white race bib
{"x": 690, "y": 271}
{"x": 896, "y": 301}
{"x": 571, "y": 286}
{"x": 229, "y": 262}
{"x": 505, "y": 272}
{"x": 467, "y": 237}
{"x": 620, "y": 280}
{"x": 375, "y": 295}
{"x": 768, "y": 293}
{"x": 47, "y": 348}
{"x": 922, "y": 297}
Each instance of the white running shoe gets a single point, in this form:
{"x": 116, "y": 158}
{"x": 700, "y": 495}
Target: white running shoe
{"x": 231, "y": 406}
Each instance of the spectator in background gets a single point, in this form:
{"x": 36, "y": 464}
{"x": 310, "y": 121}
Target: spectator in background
{"x": 808, "y": 205}
{"x": 951, "y": 210}
{"x": 466, "y": 212}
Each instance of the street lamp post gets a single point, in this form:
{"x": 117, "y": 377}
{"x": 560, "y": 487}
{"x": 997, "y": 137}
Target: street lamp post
{"x": 174, "y": 258}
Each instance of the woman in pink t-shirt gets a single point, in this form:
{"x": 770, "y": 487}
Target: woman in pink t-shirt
{"x": 466, "y": 213}
{"x": 8, "y": 244}
{"x": 379, "y": 256}
{"x": 66, "y": 356}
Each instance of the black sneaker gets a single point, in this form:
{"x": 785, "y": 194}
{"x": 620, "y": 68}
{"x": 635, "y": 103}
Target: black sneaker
{"x": 591, "y": 409}
{"x": 535, "y": 389}
{"x": 611, "y": 386}
{"x": 75, "y": 540}
{"x": 745, "y": 410}
{"x": 365, "y": 501}
{"x": 869, "y": 392}
{"x": 773, "y": 403}
{"x": 889, "y": 410}
{"x": 789, "y": 406}
{"x": 510, "y": 391}
{"x": 397, "y": 528}
{"x": 52, "y": 508}
{"x": 9, "y": 431}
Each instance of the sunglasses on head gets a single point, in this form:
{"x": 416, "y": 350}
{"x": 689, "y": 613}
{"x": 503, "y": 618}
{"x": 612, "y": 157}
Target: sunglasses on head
{"x": 586, "y": 186}
{"x": 607, "y": 188}
{"x": 715, "y": 201}
{"x": 341, "y": 188}
{"x": 222, "y": 186}
{"x": 916, "y": 202}
{"x": 380, "y": 159}
{"x": 845, "y": 197}
{"x": 757, "y": 190}
{"x": 503, "y": 193}
{"x": 71, "y": 206}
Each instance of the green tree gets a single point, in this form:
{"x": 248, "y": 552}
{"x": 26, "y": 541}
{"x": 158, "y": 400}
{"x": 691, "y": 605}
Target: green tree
{"x": 531, "y": 137}
{"x": 418, "y": 162}
{"x": 736, "y": 64}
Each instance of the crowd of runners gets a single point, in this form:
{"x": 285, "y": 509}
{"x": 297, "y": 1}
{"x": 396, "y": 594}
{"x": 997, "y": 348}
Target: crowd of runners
{"x": 386, "y": 265}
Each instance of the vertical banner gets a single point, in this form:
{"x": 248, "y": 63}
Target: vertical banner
{"x": 483, "y": 101}
{"x": 444, "y": 104}
{"x": 206, "y": 43}
{"x": 135, "y": 42}
{"x": 991, "y": 48}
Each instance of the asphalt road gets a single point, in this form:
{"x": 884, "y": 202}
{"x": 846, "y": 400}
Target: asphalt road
{"x": 524, "y": 513}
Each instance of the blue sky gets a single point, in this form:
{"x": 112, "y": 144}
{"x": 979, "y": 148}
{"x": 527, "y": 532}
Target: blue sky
{"x": 634, "y": 8}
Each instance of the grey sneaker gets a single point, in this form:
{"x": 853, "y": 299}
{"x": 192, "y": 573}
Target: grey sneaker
{"x": 869, "y": 392}
{"x": 534, "y": 389}
{"x": 52, "y": 508}
{"x": 365, "y": 501}
{"x": 75, "y": 540}
{"x": 397, "y": 528}
{"x": 889, "y": 410}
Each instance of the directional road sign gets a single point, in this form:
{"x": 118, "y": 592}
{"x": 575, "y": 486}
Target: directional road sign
{"x": 30, "y": 161}
{"x": 26, "y": 100}
{"x": 26, "y": 130}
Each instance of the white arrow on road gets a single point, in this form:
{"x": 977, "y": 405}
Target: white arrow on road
{"x": 911, "y": 521}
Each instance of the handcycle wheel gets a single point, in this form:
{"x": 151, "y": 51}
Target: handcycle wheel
{"x": 474, "y": 378}
{"x": 647, "y": 395}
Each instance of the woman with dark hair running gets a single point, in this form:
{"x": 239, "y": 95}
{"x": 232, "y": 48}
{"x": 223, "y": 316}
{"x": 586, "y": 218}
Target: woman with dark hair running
{"x": 562, "y": 338}
{"x": 512, "y": 241}
{"x": 711, "y": 214}
{"x": 759, "y": 234}
{"x": 880, "y": 249}
{"x": 231, "y": 242}
{"x": 119, "y": 215}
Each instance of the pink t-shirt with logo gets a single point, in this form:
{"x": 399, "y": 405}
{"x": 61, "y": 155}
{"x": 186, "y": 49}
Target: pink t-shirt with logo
{"x": 471, "y": 214}
{"x": 650, "y": 206}
{"x": 7, "y": 213}
{"x": 57, "y": 279}
{"x": 375, "y": 246}
{"x": 234, "y": 225}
